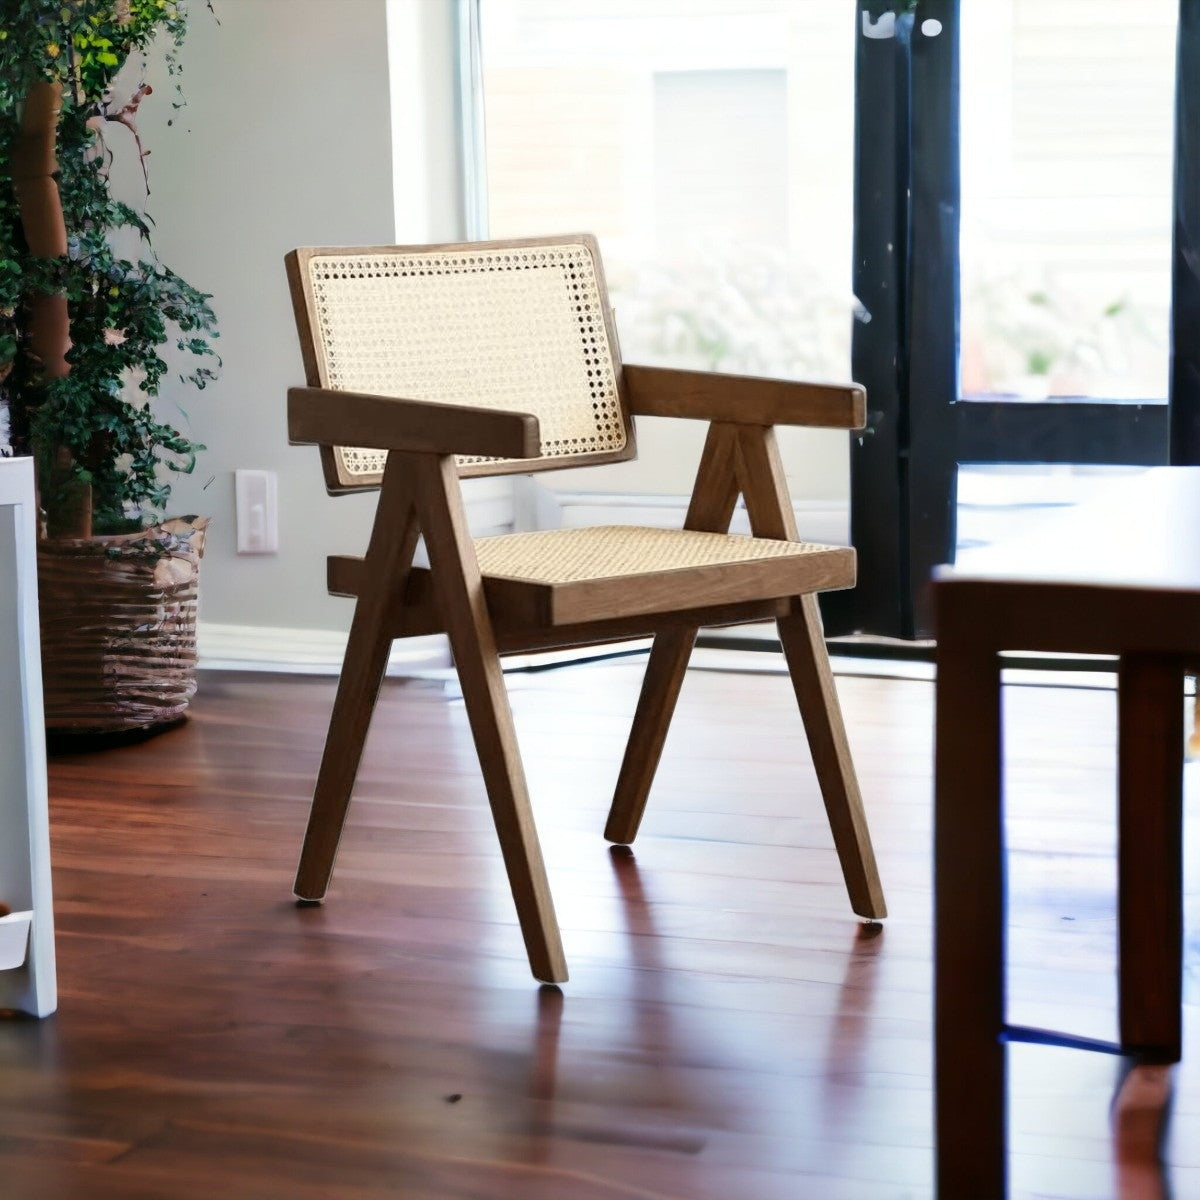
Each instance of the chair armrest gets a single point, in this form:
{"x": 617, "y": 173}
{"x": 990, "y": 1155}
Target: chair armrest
{"x": 335, "y": 418}
{"x": 744, "y": 399}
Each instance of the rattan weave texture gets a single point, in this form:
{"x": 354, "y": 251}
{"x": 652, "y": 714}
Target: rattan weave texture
{"x": 615, "y": 551}
{"x": 518, "y": 328}
{"x": 118, "y": 627}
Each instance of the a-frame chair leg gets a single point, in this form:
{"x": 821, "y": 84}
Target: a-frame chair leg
{"x": 770, "y": 510}
{"x": 459, "y": 588}
{"x": 808, "y": 663}
{"x": 712, "y": 505}
{"x": 389, "y": 556}
{"x": 656, "y": 705}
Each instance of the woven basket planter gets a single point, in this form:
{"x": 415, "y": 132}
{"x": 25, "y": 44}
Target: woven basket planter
{"x": 118, "y": 617}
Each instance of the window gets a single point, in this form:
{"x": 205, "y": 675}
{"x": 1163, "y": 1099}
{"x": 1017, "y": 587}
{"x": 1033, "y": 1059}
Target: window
{"x": 1067, "y": 155}
{"x": 710, "y": 152}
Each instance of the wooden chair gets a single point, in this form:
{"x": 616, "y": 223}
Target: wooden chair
{"x": 426, "y": 364}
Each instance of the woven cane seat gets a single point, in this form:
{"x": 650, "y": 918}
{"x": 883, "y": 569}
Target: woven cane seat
{"x": 611, "y": 551}
{"x": 612, "y": 571}
{"x": 569, "y": 576}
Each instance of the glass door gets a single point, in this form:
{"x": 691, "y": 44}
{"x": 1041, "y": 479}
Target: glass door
{"x": 1014, "y": 231}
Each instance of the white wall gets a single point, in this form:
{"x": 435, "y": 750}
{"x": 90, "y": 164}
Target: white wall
{"x": 285, "y": 141}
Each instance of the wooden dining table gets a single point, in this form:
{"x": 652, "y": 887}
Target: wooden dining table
{"x": 1119, "y": 576}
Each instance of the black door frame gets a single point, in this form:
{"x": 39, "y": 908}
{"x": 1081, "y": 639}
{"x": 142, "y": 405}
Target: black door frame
{"x": 905, "y": 340}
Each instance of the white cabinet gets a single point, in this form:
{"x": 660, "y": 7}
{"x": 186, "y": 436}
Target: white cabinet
{"x": 27, "y": 974}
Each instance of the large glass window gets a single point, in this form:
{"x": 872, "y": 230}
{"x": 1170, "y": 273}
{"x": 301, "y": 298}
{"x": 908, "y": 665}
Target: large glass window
{"x": 710, "y": 149}
{"x": 1066, "y": 152}
{"x": 1066, "y": 158}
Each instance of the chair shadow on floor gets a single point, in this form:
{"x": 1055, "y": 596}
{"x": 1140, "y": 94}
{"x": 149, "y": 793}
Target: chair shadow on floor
{"x": 662, "y": 1110}
{"x": 654, "y": 1092}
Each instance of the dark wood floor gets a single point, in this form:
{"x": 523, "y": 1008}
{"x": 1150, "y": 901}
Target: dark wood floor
{"x": 730, "y": 1030}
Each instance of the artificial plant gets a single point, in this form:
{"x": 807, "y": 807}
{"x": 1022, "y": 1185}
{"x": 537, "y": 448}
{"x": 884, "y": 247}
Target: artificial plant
{"x": 84, "y": 329}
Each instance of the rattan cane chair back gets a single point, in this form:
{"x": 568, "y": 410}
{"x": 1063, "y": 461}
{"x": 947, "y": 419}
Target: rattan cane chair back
{"x": 522, "y": 326}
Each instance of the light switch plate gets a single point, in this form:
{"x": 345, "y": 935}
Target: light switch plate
{"x": 257, "y": 494}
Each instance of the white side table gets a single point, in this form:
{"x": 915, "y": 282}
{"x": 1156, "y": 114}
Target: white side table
{"x": 27, "y": 973}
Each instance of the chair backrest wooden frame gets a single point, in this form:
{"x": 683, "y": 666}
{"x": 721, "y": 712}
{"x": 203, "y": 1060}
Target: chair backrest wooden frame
{"x": 526, "y": 324}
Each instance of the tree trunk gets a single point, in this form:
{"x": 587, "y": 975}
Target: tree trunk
{"x": 34, "y": 164}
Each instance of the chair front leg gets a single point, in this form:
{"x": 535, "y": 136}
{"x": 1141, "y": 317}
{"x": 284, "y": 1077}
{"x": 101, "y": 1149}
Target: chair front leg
{"x": 459, "y": 589}
{"x": 389, "y": 556}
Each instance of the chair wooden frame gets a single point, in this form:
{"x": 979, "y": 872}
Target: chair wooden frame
{"x": 487, "y": 616}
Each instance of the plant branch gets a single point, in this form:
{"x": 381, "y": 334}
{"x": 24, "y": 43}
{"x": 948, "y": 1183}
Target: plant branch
{"x": 125, "y": 116}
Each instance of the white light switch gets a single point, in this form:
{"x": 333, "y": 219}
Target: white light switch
{"x": 257, "y": 495}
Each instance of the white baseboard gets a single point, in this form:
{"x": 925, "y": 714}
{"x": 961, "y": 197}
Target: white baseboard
{"x": 304, "y": 651}
{"x": 320, "y": 652}
{"x": 541, "y": 507}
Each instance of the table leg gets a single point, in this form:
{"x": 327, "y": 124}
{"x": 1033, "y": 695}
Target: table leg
{"x": 970, "y": 1081}
{"x": 1150, "y": 855}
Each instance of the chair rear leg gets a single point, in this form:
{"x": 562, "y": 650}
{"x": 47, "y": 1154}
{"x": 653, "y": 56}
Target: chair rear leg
{"x": 808, "y": 663}
{"x": 714, "y": 498}
{"x": 358, "y": 689}
{"x": 660, "y": 690}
